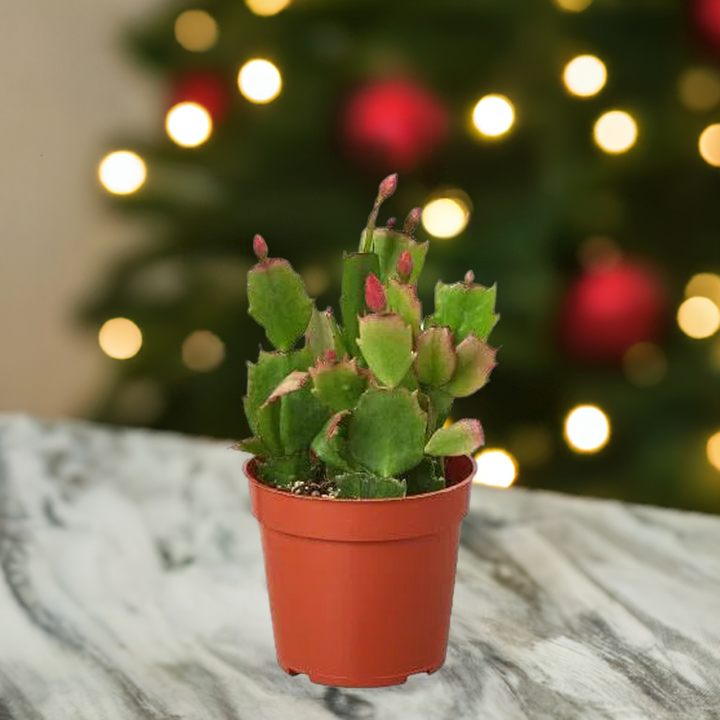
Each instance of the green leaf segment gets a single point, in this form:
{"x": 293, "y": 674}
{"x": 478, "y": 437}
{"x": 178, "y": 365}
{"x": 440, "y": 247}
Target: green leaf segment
{"x": 362, "y": 404}
{"x": 386, "y": 344}
{"x": 279, "y": 302}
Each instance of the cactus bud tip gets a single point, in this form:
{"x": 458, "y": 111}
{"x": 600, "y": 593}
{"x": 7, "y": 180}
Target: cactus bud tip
{"x": 405, "y": 265}
{"x": 469, "y": 277}
{"x": 374, "y": 294}
{"x": 388, "y": 186}
{"x": 330, "y": 355}
{"x": 412, "y": 220}
{"x": 260, "y": 248}
{"x": 391, "y": 223}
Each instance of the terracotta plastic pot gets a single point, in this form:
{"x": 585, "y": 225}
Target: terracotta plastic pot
{"x": 361, "y": 590}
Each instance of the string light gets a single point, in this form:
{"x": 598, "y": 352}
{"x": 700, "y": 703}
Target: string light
{"x": 713, "y": 450}
{"x": 493, "y": 116}
{"x": 445, "y": 217}
{"x": 120, "y": 338}
{"x": 122, "y": 172}
{"x": 615, "y": 132}
{"x": 531, "y": 445}
{"x": 188, "y": 124}
{"x": 196, "y": 30}
{"x": 585, "y": 75}
{"x": 714, "y": 356}
{"x": 138, "y": 401}
{"x": 573, "y": 5}
{"x": 699, "y": 89}
{"x": 704, "y": 285}
{"x": 495, "y": 467}
{"x": 266, "y": 8}
{"x": 259, "y": 81}
{"x": 599, "y": 253}
{"x": 587, "y": 429}
{"x": 316, "y": 280}
{"x": 698, "y": 317}
{"x": 644, "y": 364}
{"x": 710, "y": 145}
{"x": 203, "y": 351}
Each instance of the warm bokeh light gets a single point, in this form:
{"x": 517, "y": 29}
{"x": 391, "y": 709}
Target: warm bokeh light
{"x": 644, "y": 364}
{"x": 587, "y": 429}
{"x": 698, "y": 317}
{"x": 445, "y": 217}
{"x": 699, "y": 89}
{"x": 203, "y": 351}
{"x": 120, "y": 338}
{"x": 710, "y": 145}
{"x": 316, "y": 279}
{"x": 122, "y": 172}
{"x": 493, "y": 115}
{"x": 531, "y": 444}
{"x": 137, "y": 401}
{"x": 495, "y": 467}
{"x": 599, "y": 253}
{"x": 704, "y": 285}
{"x": 585, "y": 75}
{"x": 196, "y": 30}
{"x": 265, "y": 8}
{"x": 615, "y": 132}
{"x": 188, "y": 124}
{"x": 448, "y": 422}
{"x": 714, "y": 356}
{"x": 259, "y": 81}
{"x": 572, "y": 5}
{"x": 713, "y": 450}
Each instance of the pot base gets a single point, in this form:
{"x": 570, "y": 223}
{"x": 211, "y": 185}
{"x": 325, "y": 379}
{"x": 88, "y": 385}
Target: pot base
{"x": 345, "y": 682}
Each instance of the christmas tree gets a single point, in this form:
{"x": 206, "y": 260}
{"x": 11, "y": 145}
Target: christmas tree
{"x": 568, "y": 150}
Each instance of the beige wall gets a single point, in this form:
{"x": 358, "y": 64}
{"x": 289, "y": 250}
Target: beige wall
{"x": 66, "y": 89}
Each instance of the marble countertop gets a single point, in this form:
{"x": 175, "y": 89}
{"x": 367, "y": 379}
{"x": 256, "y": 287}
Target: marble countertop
{"x": 132, "y": 586}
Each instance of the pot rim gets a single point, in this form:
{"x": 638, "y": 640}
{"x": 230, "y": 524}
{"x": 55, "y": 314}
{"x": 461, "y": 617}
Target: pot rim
{"x": 248, "y": 469}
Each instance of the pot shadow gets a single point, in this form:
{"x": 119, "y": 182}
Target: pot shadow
{"x": 346, "y": 705}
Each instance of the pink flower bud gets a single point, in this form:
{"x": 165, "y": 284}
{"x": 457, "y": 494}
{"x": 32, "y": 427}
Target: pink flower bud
{"x": 405, "y": 265}
{"x": 260, "y": 248}
{"x": 388, "y": 186}
{"x": 469, "y": 277}
{"x": 330, "y": 355}
{"x": 412, "y": 220}
{"x": 391, "y": 223}
{"x": 374, "y": 294}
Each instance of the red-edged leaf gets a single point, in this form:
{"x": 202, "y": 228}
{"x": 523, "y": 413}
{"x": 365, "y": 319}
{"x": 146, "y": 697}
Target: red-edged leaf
{"x": 461, "y": 438}
{"x": 436, "y": 359}
{"x": 294, "y": 381}
{"x": 475, "y": 362}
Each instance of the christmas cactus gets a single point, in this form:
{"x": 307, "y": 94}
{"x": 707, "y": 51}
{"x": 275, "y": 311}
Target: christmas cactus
{"x": 360, "y": 410}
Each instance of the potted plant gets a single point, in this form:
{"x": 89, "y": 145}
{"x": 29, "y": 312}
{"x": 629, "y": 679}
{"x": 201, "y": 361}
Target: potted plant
{"x": 358, "y": 482}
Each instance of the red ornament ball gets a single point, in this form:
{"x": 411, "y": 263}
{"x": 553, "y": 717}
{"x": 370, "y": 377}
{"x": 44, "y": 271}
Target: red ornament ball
{"x": 611, "y": 308}
{"x": 707, "y": 19}
{"x": 204, "y": 88}
{"x": 393, "y": 125}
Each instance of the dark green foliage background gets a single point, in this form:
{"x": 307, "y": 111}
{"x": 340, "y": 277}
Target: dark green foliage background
{"x": 281, "y": 170}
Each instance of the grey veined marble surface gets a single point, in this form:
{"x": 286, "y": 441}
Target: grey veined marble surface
{"x": 132, "y": 586}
